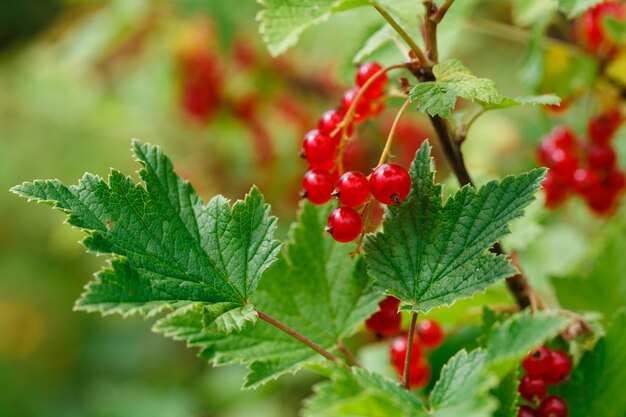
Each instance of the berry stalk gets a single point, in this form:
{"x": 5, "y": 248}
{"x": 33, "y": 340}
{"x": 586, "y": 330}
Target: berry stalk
{"x": 409, "y": 350}
{"x": 301, "y": 338}
{"x": 424, "y": 62}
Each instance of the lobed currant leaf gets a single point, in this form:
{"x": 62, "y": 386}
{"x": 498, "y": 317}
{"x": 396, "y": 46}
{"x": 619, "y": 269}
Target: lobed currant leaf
{"x": 429, "y": 254}
{"x": 454, "y": 80}
{"x": 169, "y": 249}
{"x": 314, "y": 278}
{"x": 281, "y": 22}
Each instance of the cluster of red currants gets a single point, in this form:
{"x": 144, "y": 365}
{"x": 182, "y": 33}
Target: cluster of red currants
{"x": 387, "y": 322}
{"x": 590, "y": 32}
{"x": 389, "y": 183}
{"x": 544, "y": 367}
{"x": 588, "y": 169}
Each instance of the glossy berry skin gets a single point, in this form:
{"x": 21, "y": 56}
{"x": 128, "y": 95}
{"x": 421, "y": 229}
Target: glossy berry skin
{"x": 552, "y": 406}
{"x": 585, "y": 181}
{"x": 616, "y": 180}
{"x": 344, "y": 224}
{"x": 386, "y": 321}
{"x": 555, "y": 189}
{"x": 601, "y": 157}
{"x": 397, "y": 352}
{"x": 367, "y": 71}
{"x": 318, "y": 185}
{"x": 601, "y": 201}
{"x": 537, "y": 362}
{"x": 525, "y": 411}
{"x": 362, "y": 110}
{"x": 560, "y": 367}
{"x": 430, "y": 333}
{"x": 532, "y": 388}
{"x": 318, "y": 149}
{"x": 560, "y": 138}
{"x": 352, "y": 189}
{"x": 390, "y": 183}
{"x": 328, "y": 123}
{"x": 562, "y": 162}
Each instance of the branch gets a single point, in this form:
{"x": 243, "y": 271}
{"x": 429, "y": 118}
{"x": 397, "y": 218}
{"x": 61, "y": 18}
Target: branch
{"x": 409, "y": 351}
{"x": 431, "y": 31}
{"x": 291, "y": 332}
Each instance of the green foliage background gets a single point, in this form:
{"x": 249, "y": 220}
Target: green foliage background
{"x": 61, "y": 115}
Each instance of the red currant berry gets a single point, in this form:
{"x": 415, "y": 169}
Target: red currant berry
{"x": 318, "y": 149}
{"x": 525, "y": 411}
{"x": 367, "y": 71}
{"x": 562, "y": 162}
{"x": 327, "y": 125}
{"x": 560, "y": 138}
{"x": 390, "y": 183}
{"x": 397, "y": 352}
{"x": 344, "y": 224}
{"x": 601, "y": 128}
{"x": 386, "y": 321}
{"x": 555, "y": 189}
{"x": 616, "y": 181}
{"x": 601, "y": 201}
{"x": 585, "y": 181}
{"x": 362, "y": 110}
{"x": 560, "y": 367}
{"x": 353, "y": 188}
{"x": 601, "y": 157}
{"x": 532, "y": 388}
{"x": 552, "y": 406}
{"x": 318, "y": 185}
{"x": 538, "y": 362}
{"x": 430, "y": 333}
{"x": 419, "y": 373}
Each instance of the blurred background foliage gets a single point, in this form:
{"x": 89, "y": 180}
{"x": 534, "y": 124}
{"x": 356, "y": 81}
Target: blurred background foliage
{"x": 79, "y": 79}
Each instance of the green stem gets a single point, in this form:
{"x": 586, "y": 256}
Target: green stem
{"x": 400, "y": 31}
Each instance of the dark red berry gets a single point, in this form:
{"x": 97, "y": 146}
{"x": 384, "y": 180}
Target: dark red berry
{"x": 538, "y": 362}
{"x": 616, "y": 181}
{"x": 555, "y": 189}
{"x": 367, "y": 71}
{"x": 390, "y": 183}
{"x": 532, "y": 388}
{"x": 560, "y": 367}
{"x": 397, "y": 352}
{"x": 352, "y": 189}
{"x": 552, "y": 406}
{"x": 601, "y": 157}
{"x": 560, "y": 138}
{"x": 362, "y": 109}
{"x": 430, "y": 333}
{"x": 386, "y": 321}
{"x": 526, "y": 411}
{"x": 602, "y": 128}
{"x": 318, "y": 185}
{"x": 344, "y": 224}
{"x": 562, "y": 162}
{"x": 318, "y": 149}
{"x": 585, "y": 181}
{"x": 601, "y": 201}
{"x": 328, "y": 123}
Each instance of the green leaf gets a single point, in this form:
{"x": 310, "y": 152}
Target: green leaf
{"x": 462, "y": 387}
{"x": 573, "y": 8}
{"x": 283, "y": 21}
{"x": 507, "y": 395}
{"x": 526, "y": 12}
{"x": 170, "y": 250}
{"x": 430, "y": 254}
{"x": 361, "y": 393}
{"x": 454, "y": 80}
{"x": 512, "y": 339}
{"x": 375, "y": 41}
{"x": 313, "y": 288}
{"x": 601, "y": 285}
{"x": 615, "y": 28}
{"x": 597, "y": 384}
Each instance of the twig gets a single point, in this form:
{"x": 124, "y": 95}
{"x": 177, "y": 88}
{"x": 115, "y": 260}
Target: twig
{"x": 291, "y": 332}
{"x": 392, "y": 132}
{"x": 431, "y": 31}
{"x": 348, "y": 353}
{"x": 400, "y": 31}
{"x": 441, "y": 11}
{"x": 409, "y": 351}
